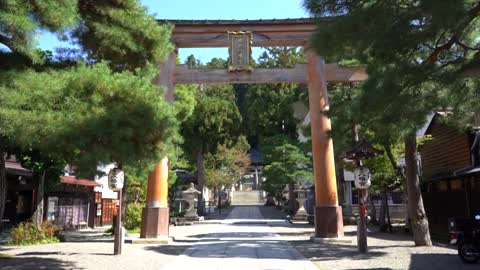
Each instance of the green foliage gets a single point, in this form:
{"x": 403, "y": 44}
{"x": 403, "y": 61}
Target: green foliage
{"x": 121, "y": 32}
{"x": 227, "y": 164}
{"x": 215, "y": 120}
{"x": 416, "y": 54}
{"x": 287, "y": 165}
{"x": 85, "y": 114}
{"x": 136, "y": 179}
{"x": 185, "y": 101}
{"x": 281, "y": 57}
{"x": 27, "y": 234}
{"x": 53, "y": 111}
{"x": 21, "y": 20}
{"x": 133, "y": 216}
{"x": 269, "y": 107}
{"x": 384, "y": 175}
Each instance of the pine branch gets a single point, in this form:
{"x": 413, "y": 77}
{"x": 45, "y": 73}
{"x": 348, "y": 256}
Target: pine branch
{"x": 455, "y": 39}
{"x": 466, "y": 47}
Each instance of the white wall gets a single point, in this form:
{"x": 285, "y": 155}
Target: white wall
{"x": 107, "y": 193}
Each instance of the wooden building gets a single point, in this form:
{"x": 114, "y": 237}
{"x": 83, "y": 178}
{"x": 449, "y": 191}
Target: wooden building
{"x": 450, "y": 178}
{"x": 20, "y": 193}
{"x": 71, "y": 203}
{"x": 80, "y": 203}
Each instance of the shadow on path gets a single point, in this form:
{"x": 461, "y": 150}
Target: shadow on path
{"x": 20, "y": 262}
{"x": 168, "y": 249}
{"x": 439, "y": 261}
{"x": 267, "y": 249}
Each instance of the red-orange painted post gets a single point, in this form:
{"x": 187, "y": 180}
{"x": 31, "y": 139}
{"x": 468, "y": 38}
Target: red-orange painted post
{"x": 155, "y": 216}
{"x": 328, "y": 214}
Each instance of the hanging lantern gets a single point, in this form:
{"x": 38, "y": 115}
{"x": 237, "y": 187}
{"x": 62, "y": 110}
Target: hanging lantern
{"x": 362, "y": 177}
{"x": 115, "y": 179}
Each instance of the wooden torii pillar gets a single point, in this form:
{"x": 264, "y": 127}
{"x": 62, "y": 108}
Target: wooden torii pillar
{"x": 155, "y": 215}
{"x": 328, "y": 214}
{"x": 265, "y": 33}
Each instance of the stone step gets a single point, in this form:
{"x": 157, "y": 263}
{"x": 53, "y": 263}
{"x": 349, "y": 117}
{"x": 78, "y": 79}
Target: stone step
{"x": 247, "y": 198}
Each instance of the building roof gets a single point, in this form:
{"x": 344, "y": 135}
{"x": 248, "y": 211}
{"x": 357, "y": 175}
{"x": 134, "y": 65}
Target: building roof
{"x": 255, "y": 156}
{"x": 238, "y": 22}
{"x": 467, "y": 171}
{"x": 13, "y": 167}
{"x": 77, "y": 181}
{"x": 185, "y": 177}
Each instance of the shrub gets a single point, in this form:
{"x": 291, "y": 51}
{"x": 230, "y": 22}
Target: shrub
{"x": 133, "y": 216}
{"x": 28, "y": 234}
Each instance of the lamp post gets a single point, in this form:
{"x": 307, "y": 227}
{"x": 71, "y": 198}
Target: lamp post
{"x": 362, "y": 150}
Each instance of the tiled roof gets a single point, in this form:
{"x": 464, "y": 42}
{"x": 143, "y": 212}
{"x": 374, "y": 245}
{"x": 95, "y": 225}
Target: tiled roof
{"x": 76, "y": 181}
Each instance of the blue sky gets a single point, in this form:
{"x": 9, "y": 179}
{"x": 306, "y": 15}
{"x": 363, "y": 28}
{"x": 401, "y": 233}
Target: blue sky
{"x": 208, "y": 9}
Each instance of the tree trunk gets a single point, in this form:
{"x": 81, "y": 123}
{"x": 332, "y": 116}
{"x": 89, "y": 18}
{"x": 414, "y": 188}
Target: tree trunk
{"x": 37, "y": 217}
{"x": 201, "y": 180}
{"x": 291, "y": 199}
{"x": 3, "y": 186}
{"x": 391, "y": 158}
{"x": 373, "y": 211}
{"x": 362, "y": 240}
{"x": 383, "y": 210}
{"x": 340, "y": 182}
{"x": 418, "y": 218}
{"x": 389, "y": 222}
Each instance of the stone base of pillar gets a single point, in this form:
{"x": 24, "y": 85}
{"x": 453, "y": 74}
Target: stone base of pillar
{"x": 155, "y": 222}
{"x": 328, "y": 222}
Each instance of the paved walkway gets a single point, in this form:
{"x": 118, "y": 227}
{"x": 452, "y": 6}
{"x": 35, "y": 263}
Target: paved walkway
{"x": 244, "y": 241}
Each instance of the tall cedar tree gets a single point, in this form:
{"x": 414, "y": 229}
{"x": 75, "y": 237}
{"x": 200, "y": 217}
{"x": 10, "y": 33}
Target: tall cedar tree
{"x": 417, "y": 55}
{"x": 216, "y": 120}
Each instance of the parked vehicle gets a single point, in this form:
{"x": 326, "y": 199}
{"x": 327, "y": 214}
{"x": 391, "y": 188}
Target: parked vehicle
{"x": 465, "y": 233}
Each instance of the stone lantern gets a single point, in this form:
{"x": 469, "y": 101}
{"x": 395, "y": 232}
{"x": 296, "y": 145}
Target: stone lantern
{"x": 191, "y": 197}
{"x": 302, "y": 192}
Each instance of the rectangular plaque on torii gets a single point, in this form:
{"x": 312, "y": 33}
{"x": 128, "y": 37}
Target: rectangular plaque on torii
{"x": 240, "y": 51}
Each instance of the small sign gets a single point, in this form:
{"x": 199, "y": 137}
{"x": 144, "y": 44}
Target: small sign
{"x": 240, "y": 51}
{"x": 99, "y": 209}
{"x": 362, "y": 177}
{"x": 115, "y": 179}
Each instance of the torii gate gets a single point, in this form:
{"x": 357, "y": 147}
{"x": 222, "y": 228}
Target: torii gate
{"x": 264, "y": 33}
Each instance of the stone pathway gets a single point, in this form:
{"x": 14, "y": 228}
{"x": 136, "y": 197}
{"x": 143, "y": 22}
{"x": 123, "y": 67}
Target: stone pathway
{"x": 244, "y": 241}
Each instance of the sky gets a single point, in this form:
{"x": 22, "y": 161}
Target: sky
{"x": 208, "y": 9}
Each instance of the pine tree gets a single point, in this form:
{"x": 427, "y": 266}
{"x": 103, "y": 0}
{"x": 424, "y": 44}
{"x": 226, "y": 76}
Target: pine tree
{"x": 417, "y": 55}
{"x": 75, "y": 112}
